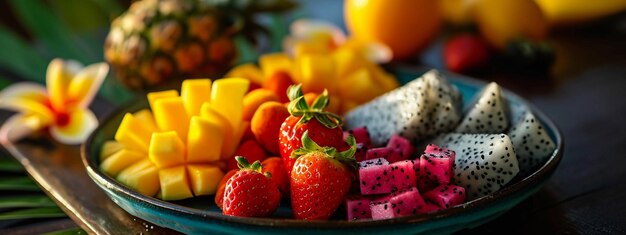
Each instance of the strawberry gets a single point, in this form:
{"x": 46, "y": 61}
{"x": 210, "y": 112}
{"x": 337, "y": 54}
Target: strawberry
{"x": 324, "y": 127}
{"x": 320, "y": 179}
{"x": 465, "y": 52}
{"x": 250, "y": 192}
{"x": 221, "y": 187}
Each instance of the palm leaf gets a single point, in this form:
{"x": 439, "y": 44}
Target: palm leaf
{"x": 21, "y": 58}
{"x": 71, "y": 231}
{"x": 22, "y": 183}
{"x": 32, "y": 213}
{"x": 26, "y": 201}
{"x": 7, "y": 165}
{"x": 51, "y": 31}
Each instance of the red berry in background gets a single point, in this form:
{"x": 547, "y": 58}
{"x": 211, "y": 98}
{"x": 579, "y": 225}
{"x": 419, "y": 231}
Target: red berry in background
{"x": 251, "y": 150}
{"x": 465, "y": 52}
{"x": 250, "y": 192}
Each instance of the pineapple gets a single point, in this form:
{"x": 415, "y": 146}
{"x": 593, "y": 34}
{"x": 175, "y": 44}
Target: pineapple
{"x": 160, "y": 40}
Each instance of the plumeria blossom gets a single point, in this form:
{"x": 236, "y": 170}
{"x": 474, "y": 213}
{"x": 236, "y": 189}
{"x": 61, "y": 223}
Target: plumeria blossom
{"x": 315, "y": 35}
{"x": 62, "y": 107}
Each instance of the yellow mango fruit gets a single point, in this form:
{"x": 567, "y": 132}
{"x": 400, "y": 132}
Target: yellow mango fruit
{"x": 174, "y": 183}
{"x": 170, "y": 115}
{"x": 204, "y": 178}
{"x": 120, "y": 160}
{"x": 153, "y": 96}
{"x": 228, "y": 141}
{"x": 134, "y": 134}
{"x": 227, "y": 98}
{"x": 131, "y": 169}
{"x": 166, "y": 149}
{"x": 145, "y": 181}
{"x": 359, "y": 86}
{"x": 204, "y": 143}
{"x": 248, "y": 71}
{"x": 307, "y": 48}
{"x": 347, "y": 60}
{"x": 145, "y": 116}
{"x": 274, "y": 62}
{"x": 386, "y": 81}
{"x": 194, "y": 93}
{"x": 109, "y": 147}
{"x": 317, "y": 72}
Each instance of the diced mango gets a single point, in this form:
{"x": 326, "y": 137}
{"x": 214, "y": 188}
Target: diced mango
{"x": 133, "y": 168}
{"x": 166, "y": 149}
{"x": 306, "y": 48}
{"x": 347, "y": 61}
{"x": 239, "y": 132}
{"x": 359, "y": 86}
{"x": 145, "y": 116}
{"x": 386, "y": 81}
{"x": 274, "y": 62}
{"x": 174, "y": 183}
{"x": 153, "y": 96}
{"x": 120, "y": 160}
{"x": 109, "y": 147}
{"x": 227, "y": 98}
{"x": 134, "y": 134}
{"x": 248, "y": 71}
{"x": 204, "y": 178}
{"x": 145, "y": 181}
{"x": 317, "y": 72}
{"x": 194, "y": 93}
{"x": 170, "y": 115}
{"x": 228, "y": 142}
{"x": 204, "y": 143}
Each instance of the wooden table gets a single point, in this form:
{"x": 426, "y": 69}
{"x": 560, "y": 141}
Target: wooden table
{"x": 586, "y": 96}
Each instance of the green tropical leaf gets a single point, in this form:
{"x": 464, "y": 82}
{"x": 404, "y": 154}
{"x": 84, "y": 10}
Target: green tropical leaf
{"x": 18, "y": 183}
{"x": 26, "y": 201}
{"x": 112, "y": 8}
{"x": 9, "y": 165}
{"x": 71, "y": 231}
{"x": 50, "y": 31}
{"x": 42, "y": 212}
{"x": 20, "y": 58}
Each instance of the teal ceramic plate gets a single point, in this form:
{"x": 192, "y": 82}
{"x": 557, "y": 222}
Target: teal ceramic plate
{"x": 201, "y": 216}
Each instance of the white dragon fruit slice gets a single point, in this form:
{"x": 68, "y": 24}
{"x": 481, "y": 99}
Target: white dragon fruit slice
{"x": 484, "y": 162}
{"x": 420, "y": 109}
{"x": 487, "y": 113}
{"x": 531, "y": 141}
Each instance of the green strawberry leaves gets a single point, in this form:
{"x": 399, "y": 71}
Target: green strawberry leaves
{"x": 256, "y": 166}
{"x": 309, "y": 146}
{"x": 299, "y": 108}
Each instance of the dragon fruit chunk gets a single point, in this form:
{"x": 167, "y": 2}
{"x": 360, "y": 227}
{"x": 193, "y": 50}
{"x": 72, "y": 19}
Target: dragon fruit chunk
{"x": 402, "y": 148}
{"x": 373, "y": 162}
{"x": 487, "y": 113}
{"x": 484, "y": 162}
{"x": 436, "y": 167}
{"x": 378, "y": 153}
{"x": 531, "y": 142}
{"x": 446, "y": 196}
{"x": 377, "y": 176}
{"x": 418, "y": 110}
{"x": 361, "y": 150}
{"x": 362, "y": 136}
{"x": 403, "y": 203}
{"x": 358, "y": 207}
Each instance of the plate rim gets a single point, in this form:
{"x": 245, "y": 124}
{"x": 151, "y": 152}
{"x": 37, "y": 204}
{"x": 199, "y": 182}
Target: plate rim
{"x": 540, "y": 174}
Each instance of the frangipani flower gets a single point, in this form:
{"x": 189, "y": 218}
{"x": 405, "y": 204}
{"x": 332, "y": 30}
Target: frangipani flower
{"x": 314, "y": 35}
{"x": 62, "y": 106}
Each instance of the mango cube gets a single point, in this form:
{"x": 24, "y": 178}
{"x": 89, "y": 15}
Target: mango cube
{"x": 133, "y": 134}
{"x": 145, "y": 116}
{"x": 204, "y": 143}
{"x": 194, "y": 93}
{"x": 275, "y": 62}
{"x": 359, "y": 86}
{"x": 120, "y": 160}
{"x": 317, "y": 72}
{"x": 142, "y": 176}
{"x": 153, "y": 96}
{"x": 227, "y": 98}
{"x": 170, "y": 115}
{"x": 204, "y": 178}
{"x": 166, "y": 149}
{"x": 174, "y": 183}
{"x": 248, "y": 71}
{"x": 131, "y": 169}
{"x": 109, "y": 147}
{"x": 228, "y": 140}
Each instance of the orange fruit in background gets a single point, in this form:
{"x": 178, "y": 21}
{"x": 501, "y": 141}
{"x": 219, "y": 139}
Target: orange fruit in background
{"x": 406, "y": 26}
{"x": 501, "y": 21}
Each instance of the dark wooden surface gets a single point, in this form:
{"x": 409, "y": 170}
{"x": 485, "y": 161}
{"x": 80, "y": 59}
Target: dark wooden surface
{"x": 585, "y": 95}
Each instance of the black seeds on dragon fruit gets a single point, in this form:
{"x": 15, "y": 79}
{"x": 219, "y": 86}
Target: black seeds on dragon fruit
{"x": 486, "y": 112}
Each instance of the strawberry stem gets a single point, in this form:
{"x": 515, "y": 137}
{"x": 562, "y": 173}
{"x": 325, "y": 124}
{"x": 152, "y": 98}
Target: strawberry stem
{"x": 299, "y": 108}
{"x": 243, "y": 164}
{"x": 309, "y": 145}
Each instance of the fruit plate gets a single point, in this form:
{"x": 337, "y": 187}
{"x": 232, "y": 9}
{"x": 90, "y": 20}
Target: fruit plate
{"x": 201, "y": 215}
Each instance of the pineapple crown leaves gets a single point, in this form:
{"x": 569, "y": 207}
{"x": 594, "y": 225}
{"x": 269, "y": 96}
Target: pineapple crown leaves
{"x": 299, "y": 108}
{"x": 345, "y": 157}
{"x": 256, "y": 166}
